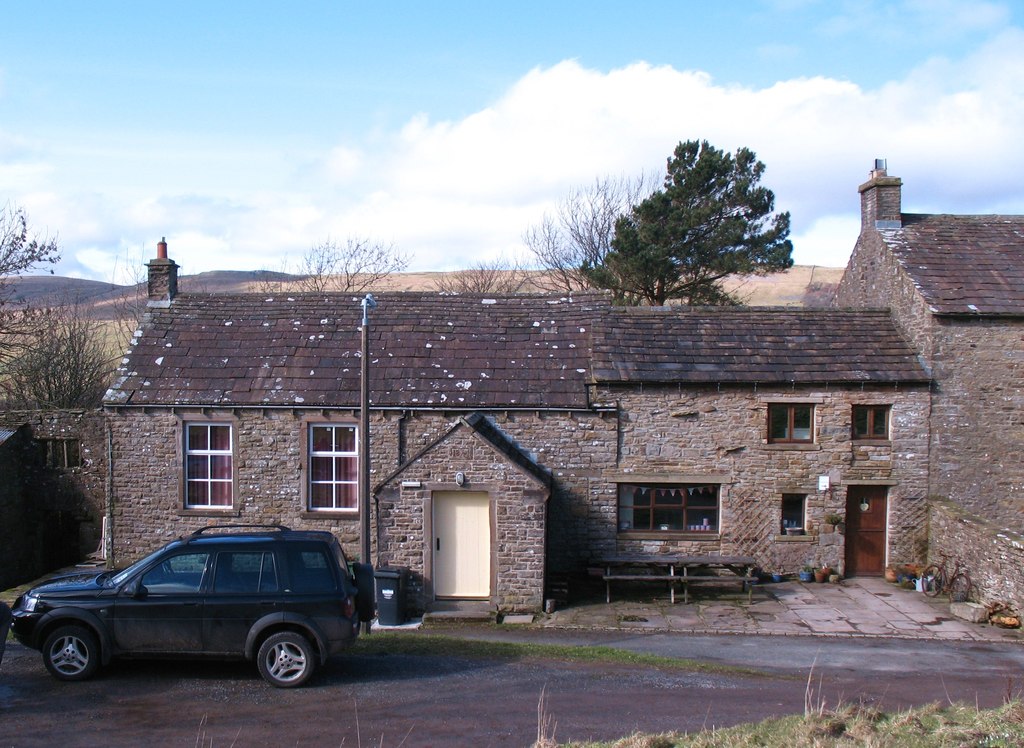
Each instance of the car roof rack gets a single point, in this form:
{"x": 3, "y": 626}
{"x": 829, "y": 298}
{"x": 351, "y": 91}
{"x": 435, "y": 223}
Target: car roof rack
{"x": 215, "y": 528}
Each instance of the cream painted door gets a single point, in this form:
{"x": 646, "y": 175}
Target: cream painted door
{"x": 462, "y": 544}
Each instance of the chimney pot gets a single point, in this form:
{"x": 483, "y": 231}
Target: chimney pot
{"x": 161, "y": 249}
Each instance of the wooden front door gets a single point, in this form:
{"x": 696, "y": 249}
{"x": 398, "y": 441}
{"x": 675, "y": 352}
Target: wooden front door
{"x": 462, "y": 544}
{"x": 866, "y": 519}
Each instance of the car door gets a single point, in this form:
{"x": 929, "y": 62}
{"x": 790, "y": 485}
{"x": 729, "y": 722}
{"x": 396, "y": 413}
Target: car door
{"x": 244, "y": 588}
{"x": 162, "y": 610}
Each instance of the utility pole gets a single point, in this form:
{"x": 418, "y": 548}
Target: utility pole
{"x": 368, "y": 303}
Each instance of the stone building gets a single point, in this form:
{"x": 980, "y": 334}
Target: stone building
{"x": 514, "y": 438}
{"x": 955, "y": 286}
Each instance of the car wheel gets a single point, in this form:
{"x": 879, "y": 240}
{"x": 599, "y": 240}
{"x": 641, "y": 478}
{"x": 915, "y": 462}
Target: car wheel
{"x": 71, "y": 653}
{"x": 286, "y": 659}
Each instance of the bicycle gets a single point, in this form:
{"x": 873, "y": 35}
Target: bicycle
{"x": 938, "y": 579}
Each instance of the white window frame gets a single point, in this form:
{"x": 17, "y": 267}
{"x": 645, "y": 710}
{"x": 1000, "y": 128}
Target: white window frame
{"x": 337, "y": 484}
{"x": 209, "y": 454}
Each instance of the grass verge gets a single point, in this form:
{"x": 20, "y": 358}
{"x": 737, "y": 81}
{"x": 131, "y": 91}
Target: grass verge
{"x": 439, "y": 645}
{"x": 931, "y": 726}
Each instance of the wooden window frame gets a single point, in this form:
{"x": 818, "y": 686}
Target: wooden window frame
{"x": 871, "y": 411}
{"x": 696, "y": 513}
{"x": 791, "y": 423}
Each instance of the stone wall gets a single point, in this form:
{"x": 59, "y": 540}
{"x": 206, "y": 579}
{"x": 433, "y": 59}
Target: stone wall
{"x": 19, "y": 519}
{"x": 977, "y": 431}
{"x": 992, "y": 554}
{"x": 51, "y": 515}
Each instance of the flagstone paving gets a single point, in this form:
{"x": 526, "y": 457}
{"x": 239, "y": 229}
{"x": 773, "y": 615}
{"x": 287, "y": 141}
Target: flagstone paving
{"x": 855, "y": 607}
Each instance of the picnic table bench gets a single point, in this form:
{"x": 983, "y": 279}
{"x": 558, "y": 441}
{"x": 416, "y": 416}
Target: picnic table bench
{"x": 678, "y": 570}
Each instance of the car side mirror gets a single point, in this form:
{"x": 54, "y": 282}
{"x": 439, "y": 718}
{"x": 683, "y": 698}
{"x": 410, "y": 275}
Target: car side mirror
{"x": 140, "y": 592}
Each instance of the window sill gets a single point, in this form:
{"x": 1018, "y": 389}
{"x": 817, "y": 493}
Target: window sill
{"x": 332, "y": 514}
{"x": 791, "y": 447}
{"x": 796, "y": 538}
{"x": 207, "y": 511}
{"x": 667, "y": 535}
{"x": 871, "y": 442}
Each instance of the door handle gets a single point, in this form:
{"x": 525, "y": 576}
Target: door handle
{"x": 438, "y": 541}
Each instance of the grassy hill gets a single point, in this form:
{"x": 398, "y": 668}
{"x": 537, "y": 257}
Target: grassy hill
{"x": 800, "y": 286}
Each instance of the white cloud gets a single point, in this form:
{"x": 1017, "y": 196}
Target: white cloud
{"x": 452, "y": 193}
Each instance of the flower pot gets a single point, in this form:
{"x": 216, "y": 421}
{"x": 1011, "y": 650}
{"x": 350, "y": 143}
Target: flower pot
{"x": 820, "y": 575}
{"x": 776, "y": 578}
{"x": 806, "y": 576}
{"x": 890, "y": 574}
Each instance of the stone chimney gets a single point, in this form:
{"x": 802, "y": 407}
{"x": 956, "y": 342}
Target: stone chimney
{"x": 163, "y": 277}
{"x": 880, "y": 200}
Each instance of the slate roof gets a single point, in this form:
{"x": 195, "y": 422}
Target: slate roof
{"x": 963, "y": 264}
{"x": 470, "y": 352}
{"x": 426, "y": 349}
{"x": 749, "y": 345}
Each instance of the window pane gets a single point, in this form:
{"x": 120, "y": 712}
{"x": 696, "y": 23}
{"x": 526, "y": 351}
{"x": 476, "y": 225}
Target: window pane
{"x": 344, "y": 439}
{"x": 666, "y": 518}
{"x": 345, "y": 468}
{"x": 347, "y": 496}
{"x": 880, "y": 422}
{"x": 792, "y": 511}
{"x": 198, "y": 438}
{"x": 220, "y": 438}
{"x": 321, "y": 496}
{"x": 860, "y": 421}
{"x": 310, "y": 571}
{"x": 198, "y": 493}
{"x": 268, "y": 577}
{"x": 802, "y": 422}
{"x": 220, "y": 493}
{"x": 220, "y": 467}
{"x": 321, "y": 469}
{"x": 778, "y": 417}
{"x": 642, "y": 519}
{"x": 322, "y": 438}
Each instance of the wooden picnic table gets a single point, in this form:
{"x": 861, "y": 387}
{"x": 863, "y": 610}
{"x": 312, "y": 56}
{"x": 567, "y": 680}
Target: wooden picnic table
{"x": 677, "y": 569}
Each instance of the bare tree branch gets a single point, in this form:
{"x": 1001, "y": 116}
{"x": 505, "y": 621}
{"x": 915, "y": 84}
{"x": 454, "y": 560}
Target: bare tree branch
{"x": 20, "y": 252}
{"x": 67, "y": 364}
{"x": 500, "y": 276}
{"x": 353, "y": 267}
{"x": 580, "y": 230}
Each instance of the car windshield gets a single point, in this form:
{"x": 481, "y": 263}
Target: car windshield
{"x": 125, "y": 574}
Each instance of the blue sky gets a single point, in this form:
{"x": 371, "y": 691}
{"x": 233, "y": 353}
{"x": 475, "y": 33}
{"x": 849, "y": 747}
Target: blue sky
{"x": 247, "y": 132}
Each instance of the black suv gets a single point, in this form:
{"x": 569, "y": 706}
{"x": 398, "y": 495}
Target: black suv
{"x": 287, "y": 598}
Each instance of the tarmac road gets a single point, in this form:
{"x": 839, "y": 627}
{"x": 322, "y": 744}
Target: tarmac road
{"x": 391, "y": 700}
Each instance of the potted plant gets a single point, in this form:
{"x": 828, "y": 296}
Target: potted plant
{"x": 777, "y": 577}
{"x": 807, "y": 574}
{"x": 822, "y": 574}
{"x": 836, "y": 520}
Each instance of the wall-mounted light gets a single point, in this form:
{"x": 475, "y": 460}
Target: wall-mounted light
{"x": 460, "y": 478}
